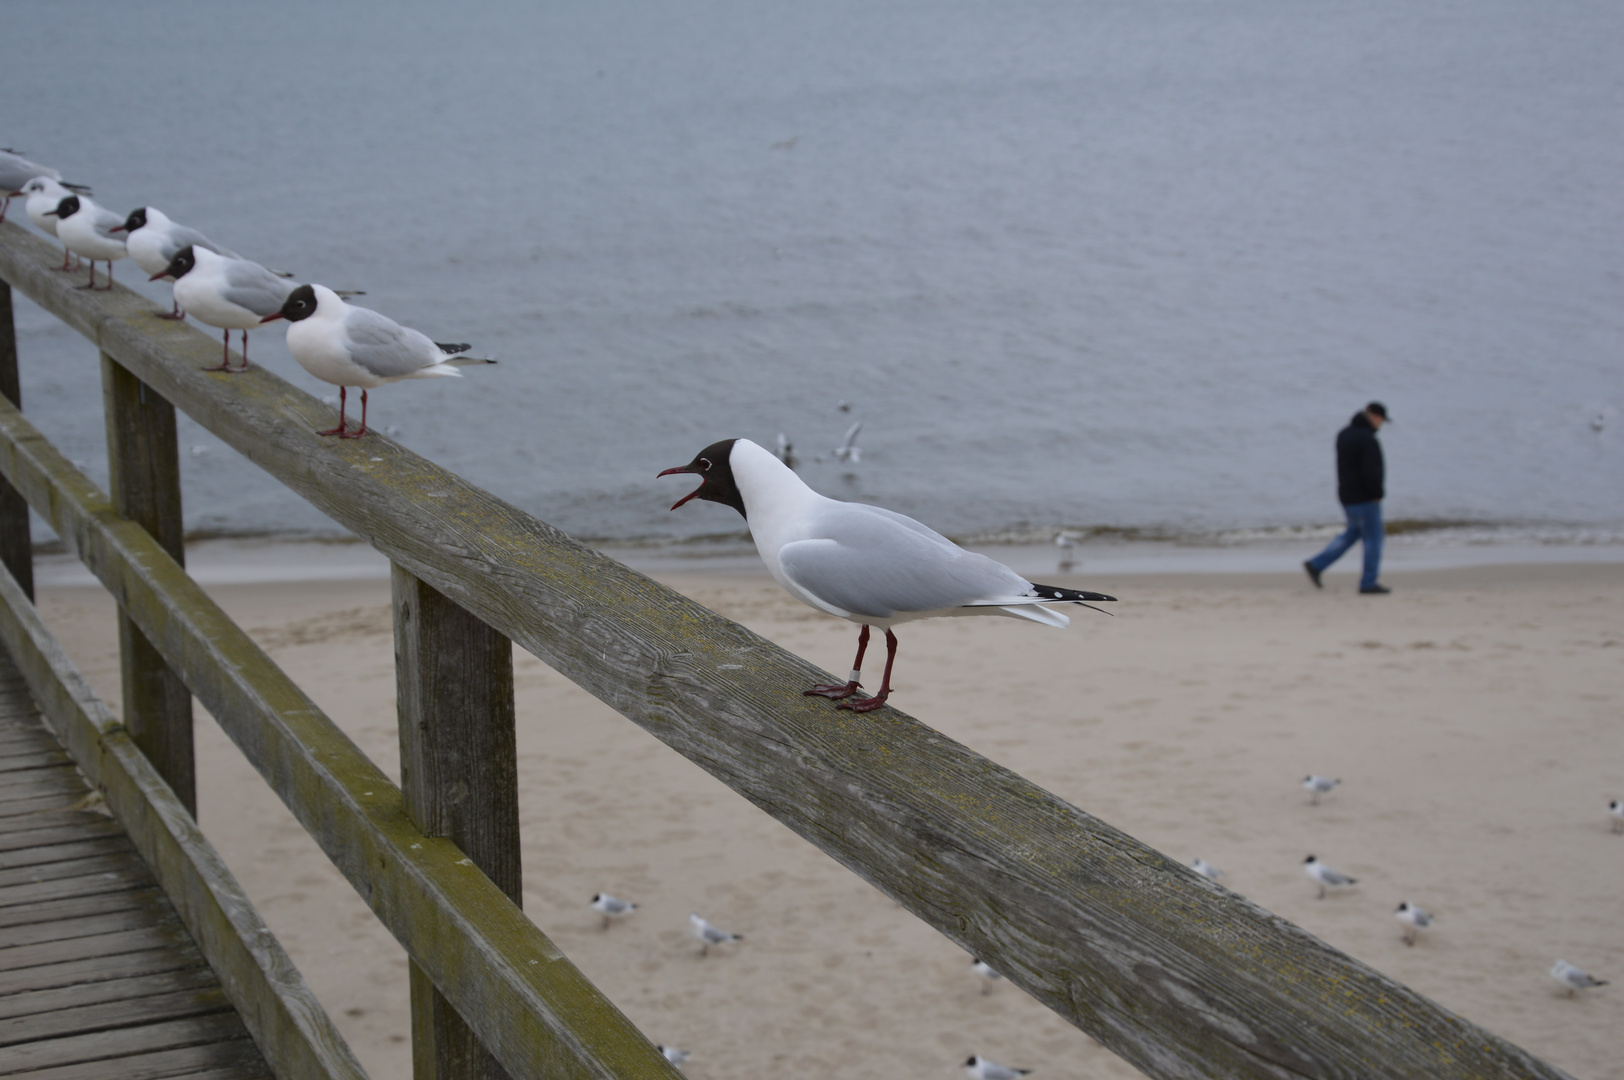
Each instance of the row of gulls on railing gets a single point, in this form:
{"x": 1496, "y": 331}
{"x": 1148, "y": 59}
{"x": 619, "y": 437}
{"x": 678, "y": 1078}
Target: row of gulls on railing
{"x": 332, "y": 339}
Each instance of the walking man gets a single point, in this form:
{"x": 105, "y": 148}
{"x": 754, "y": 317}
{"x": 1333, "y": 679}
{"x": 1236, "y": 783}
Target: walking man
{"x": 1359, "y": 476}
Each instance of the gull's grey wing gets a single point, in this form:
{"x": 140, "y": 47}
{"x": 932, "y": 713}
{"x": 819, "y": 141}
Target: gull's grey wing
{"x": 249, "y": 285}
{"x": 16, "y": 170}
{"x": 868, "y": 561}
{"x": 386, "y": 348}
{"x": 105, "y": 222}
{"x": 180, "y": 236}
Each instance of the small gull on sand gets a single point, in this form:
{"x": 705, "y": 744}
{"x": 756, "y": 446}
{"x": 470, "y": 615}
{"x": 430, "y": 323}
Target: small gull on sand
{"x": 1324, "y": 876}
{"x": 1415, "y": 920}
{"x": 673, "y": 1055}
{"x": 980, "y": 1068}
{"x": 226, "y": 293}
{"x": 1616, "y": 810}
{"x": 985, "y": 970}
{"x": 861, "y": 563}
{"x": 87, "y": 229}
{"x": 355, "y": 346}
{"x": 1572, "y": 978}
{"x": 1317, "y": 786}
{"x": 610, "y": 907}
{"x": 1205, "y": 869}
{"x": 709, "y": 935}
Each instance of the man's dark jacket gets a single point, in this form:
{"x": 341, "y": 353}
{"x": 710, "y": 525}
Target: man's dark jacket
{"x": 1359, "y": 468}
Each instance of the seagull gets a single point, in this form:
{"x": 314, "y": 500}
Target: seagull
{"x": 709, "y": 935}
{"x": 848, "y": 450}
{"x": 87, "y": 229}
{"x": 225, "y": 292}
{"x": 1616, "y": 809}
{"x": 44, "y": 196}
{"x": 786, "y": 450}
{"x": 985, "y": 970}
{"x": 15, "y": 173}
{"x": 1417, "y": 919}
{"x": 1317, "y": 786}
{"x": 1324, "y": 876}
{"x": 1205, "y": 869}
{"x": 355, "y": 346}
{"x": 1572, "y": 978}
{"x": 609, "y": 907}
{"x": 861, "y": 563}
{"x": 673, "y": 1055}
{"x": 981, "y": 1068}
{"x": 153, "y": 241}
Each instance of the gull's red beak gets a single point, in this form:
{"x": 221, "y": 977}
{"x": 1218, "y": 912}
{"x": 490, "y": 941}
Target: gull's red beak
{"x": 270, "y": 318}
{"x": 118, "y": 228}
{"x": 159, "y": 274}
{"x": 675, "y": 470}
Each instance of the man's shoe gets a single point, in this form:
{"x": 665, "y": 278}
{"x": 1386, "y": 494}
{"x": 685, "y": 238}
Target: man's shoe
{"x": 1313, "y": 575}
{"x": 1376, "y": 590}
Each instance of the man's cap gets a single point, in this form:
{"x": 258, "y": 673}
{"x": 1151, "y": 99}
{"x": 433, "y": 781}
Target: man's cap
{"x": 1376, "y": 408}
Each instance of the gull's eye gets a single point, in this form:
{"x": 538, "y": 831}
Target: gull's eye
{"x": 705, "y": 464}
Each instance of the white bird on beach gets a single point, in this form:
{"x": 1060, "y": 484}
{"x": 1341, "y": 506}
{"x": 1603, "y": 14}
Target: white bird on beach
{"x": 861, "y": 563}
{"x": 87, "y": 229}
{"x": 1416, "y": 919}
{"x": 980, "y": 1068}
{"x": 1317, "y": 786}
{"x": 153, "y": 241}
{"x": 985, "y": 970}
{"x": 848, "y": 450}
{"x": 609, "y": 907}
{"x": 1615, "y": 810}
{"x": 1324, "y": 876}
{"x": 225, "y": 292}
{"x": 709, "y": 935}
{"x": 1572, "y": 978}
{"x": 355, "y": 346}
{"x": 1205, "y": 869}
{"x": 44, "y": 196}
{"x": 15, "y": 173}
{"x": 673, "y": 1055}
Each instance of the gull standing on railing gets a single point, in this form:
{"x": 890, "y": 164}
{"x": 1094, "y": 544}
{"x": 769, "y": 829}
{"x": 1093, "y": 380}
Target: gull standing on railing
{"x": 153, "y": 241}
{"x": 227, "y": 293}
{"x": 87, "y": 229}
{"x": 44, "y": 196}
{"x": 355, "y": 346}
{"x": 15, "y": 173}
{"x": 862, "y": 563}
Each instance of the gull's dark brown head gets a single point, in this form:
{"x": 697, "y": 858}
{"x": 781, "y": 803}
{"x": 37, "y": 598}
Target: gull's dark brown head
{"x": 718, "y": 485}
{"x": 66, "y": 208}
{"x": 179, "y": 266}
{"x": 136, "y": 220}
{"x": 299, "y": 306}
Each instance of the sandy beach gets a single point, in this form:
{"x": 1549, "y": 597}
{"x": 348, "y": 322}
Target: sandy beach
{"x": 1475, "y": 717}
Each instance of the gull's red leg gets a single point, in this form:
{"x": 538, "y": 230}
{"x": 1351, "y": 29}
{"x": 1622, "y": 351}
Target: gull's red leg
{"x": 173, "y": 313}
{"x": 343, "y": 395}
{"x": 92, "y": 283}
{"x": 225, "y": 353}
{"x": 870, "y": 704}
{"x": 363, "y": 431}
{"x": 837, "y": 691}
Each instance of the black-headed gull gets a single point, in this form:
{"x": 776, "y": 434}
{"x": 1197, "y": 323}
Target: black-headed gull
{"x": 1317, "y": 786}
{"x": 673, "y": 1055}
{"x": 1615, "y": 810}
{"x": 862, "y": 563}
{"x": 1325, "y": 877}
{"x": 610, "y": 907}
{"x": 87, "y": 229}
{"x": 15, "y": 173}
{"x": 1205, "y": 869}
{"x": 227, "y": 293}
{"x": 709, "y": 935}
{"x": 848, "y": 451}
{"x": 1414, "y": 919}
{"x": 980, "y": 1068}
{"x": 1572, "y": 978}
{"x": 355, "y": 346}
{"x": 987, "y": 973}
{"x": 44, "y": 196}
{"x": 153, "y": 241}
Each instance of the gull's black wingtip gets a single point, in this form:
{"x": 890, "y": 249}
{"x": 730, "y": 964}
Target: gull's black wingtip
{"x": 1055, "y": 592}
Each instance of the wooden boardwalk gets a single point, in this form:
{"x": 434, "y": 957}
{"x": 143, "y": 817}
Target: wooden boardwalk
{"x": 98, "y": 978}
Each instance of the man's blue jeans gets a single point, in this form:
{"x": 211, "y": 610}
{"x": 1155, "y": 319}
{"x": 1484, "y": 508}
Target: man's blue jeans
{"x": 1364, "y": 523}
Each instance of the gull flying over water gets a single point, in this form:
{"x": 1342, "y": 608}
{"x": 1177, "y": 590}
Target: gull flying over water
{"x": 862, "y": 563}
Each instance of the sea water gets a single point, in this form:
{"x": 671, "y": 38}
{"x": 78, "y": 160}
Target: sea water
{"x": 1093, "y": 265}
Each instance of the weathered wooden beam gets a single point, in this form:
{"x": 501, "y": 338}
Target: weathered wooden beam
{"x": 287, "y": 1022}
{"x": 16, "y": 543}
{"x": 1174, "y": 973}
{"x": 459, "y": 777}
{"x": 144, "y": 466}
{"x": 530, "y": 1006}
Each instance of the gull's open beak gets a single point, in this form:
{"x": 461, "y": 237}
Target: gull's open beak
{"x": 270, "y": 318}
{"x": 675, "y": 470}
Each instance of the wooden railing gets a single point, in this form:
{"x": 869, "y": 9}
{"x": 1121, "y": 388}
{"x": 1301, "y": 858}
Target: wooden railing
{"x": 1176, "y": 974}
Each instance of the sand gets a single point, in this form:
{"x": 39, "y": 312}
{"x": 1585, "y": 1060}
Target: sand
{"x": 1475, "y": 716}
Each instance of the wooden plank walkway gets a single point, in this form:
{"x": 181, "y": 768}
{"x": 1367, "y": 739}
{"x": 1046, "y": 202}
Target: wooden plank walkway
{"x": 98, "y": 978}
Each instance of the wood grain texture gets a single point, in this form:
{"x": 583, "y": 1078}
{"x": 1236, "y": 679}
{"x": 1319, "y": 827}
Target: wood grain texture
{"x": 16, "y": 545}
{"x": 459, "y": 779}
{"x": 1172, "y": 972}
{"x": 144, "y": 480}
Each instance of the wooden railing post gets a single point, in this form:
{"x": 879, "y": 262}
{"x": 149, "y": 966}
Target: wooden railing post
{"x": 459, "y": 776}
{"x": 144, "y": 477}
{"x": 16, "y": 545}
